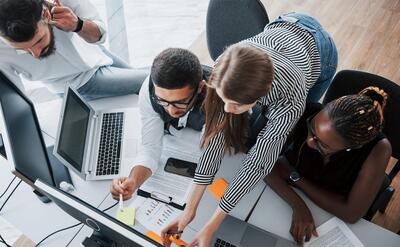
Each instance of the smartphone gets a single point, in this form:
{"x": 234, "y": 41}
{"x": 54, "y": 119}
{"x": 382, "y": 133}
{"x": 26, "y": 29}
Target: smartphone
{"x": 180, "y": 167}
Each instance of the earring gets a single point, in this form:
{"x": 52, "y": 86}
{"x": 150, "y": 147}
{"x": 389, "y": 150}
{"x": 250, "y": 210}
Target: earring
{"x": 348, "y": 150}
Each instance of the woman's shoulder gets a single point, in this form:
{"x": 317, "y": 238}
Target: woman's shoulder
{"x": 383, "y": 145}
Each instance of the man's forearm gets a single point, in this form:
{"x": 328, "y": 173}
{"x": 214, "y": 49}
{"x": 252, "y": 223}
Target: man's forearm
{"x": 90, "y": 32}
{"x": 140, "y": 174}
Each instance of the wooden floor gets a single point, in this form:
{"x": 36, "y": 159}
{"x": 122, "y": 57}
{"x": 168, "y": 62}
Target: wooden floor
{"x": 367, "y": 34}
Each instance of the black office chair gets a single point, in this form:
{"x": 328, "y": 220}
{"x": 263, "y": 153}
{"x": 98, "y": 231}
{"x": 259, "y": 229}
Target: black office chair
{"x": 230, "y": 21}
{"x": 351, "y": 82}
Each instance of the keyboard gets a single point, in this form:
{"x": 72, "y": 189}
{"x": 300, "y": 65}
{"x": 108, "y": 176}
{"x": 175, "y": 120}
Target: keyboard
{"x": 109, "y": 157}
{"x": 222, "y": 243}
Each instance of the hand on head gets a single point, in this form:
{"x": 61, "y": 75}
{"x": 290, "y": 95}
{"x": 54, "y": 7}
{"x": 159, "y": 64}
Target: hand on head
{"x": 63, "y": 17}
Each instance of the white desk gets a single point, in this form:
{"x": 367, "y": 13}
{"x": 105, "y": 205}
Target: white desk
{"x": 36, "y": 219}
{"x": 273, "y": 214}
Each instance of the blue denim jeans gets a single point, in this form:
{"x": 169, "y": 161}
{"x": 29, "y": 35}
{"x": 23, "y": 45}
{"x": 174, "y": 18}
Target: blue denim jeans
{"x": 326, "y": 48}
{"x": 114, "y": 80}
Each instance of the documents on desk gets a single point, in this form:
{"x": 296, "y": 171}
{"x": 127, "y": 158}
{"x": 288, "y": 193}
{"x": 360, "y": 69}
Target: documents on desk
{"x": 8, "y": 231}
{"x": 154, "y": 215}
{"x": 185, "y": 145}
{"x": 334, "y": 232}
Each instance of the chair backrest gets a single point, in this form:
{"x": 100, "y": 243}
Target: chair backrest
{"x": 351, "y": 82}
{"x": 230, "y": 21}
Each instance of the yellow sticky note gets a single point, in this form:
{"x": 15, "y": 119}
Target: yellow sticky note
{"x": 127, "y": 216}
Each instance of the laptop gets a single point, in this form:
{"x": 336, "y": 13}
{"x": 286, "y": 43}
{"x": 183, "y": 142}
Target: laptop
{"x": 96, "y": 144}
{"x": 237, "y": 233}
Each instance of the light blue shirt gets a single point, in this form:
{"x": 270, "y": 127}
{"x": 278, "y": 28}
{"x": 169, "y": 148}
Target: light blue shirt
{"x": 74, "y": 62}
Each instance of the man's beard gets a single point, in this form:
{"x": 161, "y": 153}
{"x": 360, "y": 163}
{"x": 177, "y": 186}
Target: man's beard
{"x": 51, "y": 48}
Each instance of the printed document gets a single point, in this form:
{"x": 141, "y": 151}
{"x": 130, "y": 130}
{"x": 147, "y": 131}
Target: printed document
{"x": 154, "y": 215}
{"x": 184, "y": 145}
{"x": 334, "y": 233}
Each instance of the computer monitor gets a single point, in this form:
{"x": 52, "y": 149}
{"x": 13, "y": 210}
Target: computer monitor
{"x": 107, "y": 229}
{"x": 23, "y": 141}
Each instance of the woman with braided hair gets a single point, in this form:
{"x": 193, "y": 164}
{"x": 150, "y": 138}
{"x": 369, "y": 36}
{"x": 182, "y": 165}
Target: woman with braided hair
{"x": 337, "y": 155}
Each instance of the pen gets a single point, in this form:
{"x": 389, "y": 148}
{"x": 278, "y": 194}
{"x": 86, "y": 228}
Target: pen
{"x": 121, "y": 203}
{"x": 170, "y": 232}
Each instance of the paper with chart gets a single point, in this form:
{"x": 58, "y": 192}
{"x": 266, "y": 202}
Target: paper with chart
{"x": 154, "y": 215}
{"x": 334, "y": 233}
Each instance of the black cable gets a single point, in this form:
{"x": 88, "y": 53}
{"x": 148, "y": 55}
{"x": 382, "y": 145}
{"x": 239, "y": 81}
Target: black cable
{"x": 12, "y": 192}
{"x": 8, "y": 186}
{"x": 4, "y": 242}
{"x": 69, "y": 227}
{"x": 66, "y": 228}
{"x": 110, "y": 207}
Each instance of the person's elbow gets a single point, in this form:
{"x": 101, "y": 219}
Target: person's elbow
{"x": 351, "y": 219}
{"x": 352, "y": 216}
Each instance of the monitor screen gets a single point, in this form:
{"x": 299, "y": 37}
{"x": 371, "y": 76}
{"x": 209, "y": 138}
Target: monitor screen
{"x": 108, "y": 227}
{"x": 24, "y": 134}
{"x": 72, "y": 138}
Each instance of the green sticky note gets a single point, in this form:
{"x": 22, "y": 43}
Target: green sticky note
{"x": 127, "y": 216}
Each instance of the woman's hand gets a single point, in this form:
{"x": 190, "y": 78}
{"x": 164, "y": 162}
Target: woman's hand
{"x": 203, "y": 238}
{"x": 303, "y": 226}
{"x": 176, "y": 227}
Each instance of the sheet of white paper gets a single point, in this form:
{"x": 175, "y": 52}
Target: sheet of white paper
{"x": 164, "y": 184}
{"x": 154, "y": 215}
{"x": 333, "y": 233}
{"x": 8, "y": 231}
{"x": 171, "y": 185}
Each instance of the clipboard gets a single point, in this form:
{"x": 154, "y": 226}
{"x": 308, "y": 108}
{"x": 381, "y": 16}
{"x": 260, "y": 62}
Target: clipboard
{"x": 160, "y": 197}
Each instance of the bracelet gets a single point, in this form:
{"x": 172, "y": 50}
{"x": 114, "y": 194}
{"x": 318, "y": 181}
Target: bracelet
{"x": 79, "y": 26}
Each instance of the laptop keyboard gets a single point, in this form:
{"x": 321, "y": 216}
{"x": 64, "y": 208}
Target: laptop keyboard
{"x": 109, "y": 157}
{"x": 222, "y": 243}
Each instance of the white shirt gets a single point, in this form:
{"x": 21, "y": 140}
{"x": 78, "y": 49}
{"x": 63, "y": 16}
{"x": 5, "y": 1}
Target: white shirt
{"x": 152, "y": 131}
{"x": 75, "y": 61}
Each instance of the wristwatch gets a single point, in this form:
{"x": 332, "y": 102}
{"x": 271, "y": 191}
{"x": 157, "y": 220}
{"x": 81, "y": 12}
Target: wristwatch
{"x": 294, "y": 176}
{"x": 79, "y": 25}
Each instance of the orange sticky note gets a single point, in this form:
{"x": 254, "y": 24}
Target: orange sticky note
{"x": 154, "y": 237}
{"x": 217, "y": 189}
{"x": 157, "y": 238}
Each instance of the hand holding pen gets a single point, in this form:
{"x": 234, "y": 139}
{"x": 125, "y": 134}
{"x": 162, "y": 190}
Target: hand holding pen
{"x": 124, "y": 187}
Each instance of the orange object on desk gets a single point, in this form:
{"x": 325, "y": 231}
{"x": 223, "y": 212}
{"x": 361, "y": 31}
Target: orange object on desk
{"x": 158, "y": 239}
{"x": 218, "y": 188}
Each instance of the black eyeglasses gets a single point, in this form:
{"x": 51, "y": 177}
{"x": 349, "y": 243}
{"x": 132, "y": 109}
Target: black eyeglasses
{"x": 318, "y": 144}
{"x": 311, "y": 133}
{"x": 177, "y": 104}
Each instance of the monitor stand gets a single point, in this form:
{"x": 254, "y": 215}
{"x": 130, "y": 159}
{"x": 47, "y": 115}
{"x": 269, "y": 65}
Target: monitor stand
{"x": 98, "y": 240}
{"x": 41, "y": 197}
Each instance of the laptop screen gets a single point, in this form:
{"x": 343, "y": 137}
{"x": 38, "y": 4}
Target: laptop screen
{"x": 72, "y": 138}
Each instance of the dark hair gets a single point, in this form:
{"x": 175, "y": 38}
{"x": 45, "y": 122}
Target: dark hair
{"x": 244, "y": 74}
{"x": 176, "y": 68}
{"x": 358, "y": 118}
{"x": 19, "y": 18}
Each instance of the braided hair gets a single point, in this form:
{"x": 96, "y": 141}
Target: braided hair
{"x": 358, "y": 118}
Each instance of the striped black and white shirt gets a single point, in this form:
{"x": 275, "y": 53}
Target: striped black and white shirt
{"x": 296, "y": 61}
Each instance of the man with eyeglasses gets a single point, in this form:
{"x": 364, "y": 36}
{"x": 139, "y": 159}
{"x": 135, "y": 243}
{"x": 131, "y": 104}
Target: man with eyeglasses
{"x": 171, "y": 97}
{"x": 59, "y": 42}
